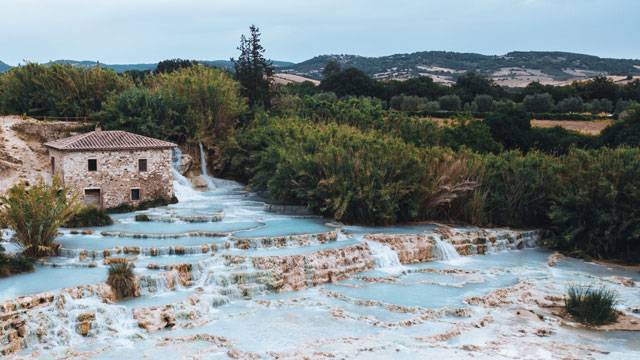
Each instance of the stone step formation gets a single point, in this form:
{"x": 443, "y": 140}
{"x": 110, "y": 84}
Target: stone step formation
{"x": 303, "y": 286}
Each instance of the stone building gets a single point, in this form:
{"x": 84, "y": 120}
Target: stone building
{"x": 112, "y": 168}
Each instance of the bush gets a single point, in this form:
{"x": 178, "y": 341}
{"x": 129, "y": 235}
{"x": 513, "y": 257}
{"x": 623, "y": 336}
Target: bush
{"x": 595, "y": 208}
{"x": 10, "y": 264}
{"x": 142, "y": 217}
{"x": 593, "y": 306}
{"x": 450, "y": 102}
{"x": 483, "y": 103}
{"x": 144, "y": 205}
{"x": 35, "y": 213}
{"x": 58, "y": 90}
{"x": 89, "y": 216}
{"x": 571, "y": 104}
{"x": 186, "y": 104}
{"x": 122, "y": 280}
{"x": 538, "y": 102}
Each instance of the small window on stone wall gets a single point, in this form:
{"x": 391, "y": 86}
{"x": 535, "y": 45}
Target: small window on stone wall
{"x": 135, "y": 194}
{"x": 142, "y": 165}
{"x": 93, "y": 165}
{"x": 53, "y": 165}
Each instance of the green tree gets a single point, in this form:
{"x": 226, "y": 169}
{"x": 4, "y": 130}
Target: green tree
{"x": 539, "y": 103}
{"x": 167, "y": 66}
{"x": 571, "y": 104}
{"x": 483, "y": 103}
{"x": 332, "y": 68}
{"x": 253, "y": 70}
{"x": 450, "y": 103}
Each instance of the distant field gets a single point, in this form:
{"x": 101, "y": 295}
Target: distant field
{"x": 585, "y": 127}
{"x": 593, "y": 127}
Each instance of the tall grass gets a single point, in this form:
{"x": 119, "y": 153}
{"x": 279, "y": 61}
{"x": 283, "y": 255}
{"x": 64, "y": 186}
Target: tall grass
{"x": 35, "y": 213}
{"x": 122, "y": 280}
{"x": 593, "y": 306}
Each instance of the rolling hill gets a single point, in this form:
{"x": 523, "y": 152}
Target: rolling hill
{"x": 4, "y": 67}
{"x": 225, "y": 64}
{"x": 513, "y": 69}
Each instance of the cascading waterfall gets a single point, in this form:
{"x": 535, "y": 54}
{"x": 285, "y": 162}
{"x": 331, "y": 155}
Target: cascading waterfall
{"x": 386, "y": 259}
{"x": 203, "y": 169}
{"x": 446, "y": 250}
{"x": 181, "y": 185}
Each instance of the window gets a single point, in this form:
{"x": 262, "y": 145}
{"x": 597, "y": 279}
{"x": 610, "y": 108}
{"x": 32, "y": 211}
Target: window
{"x": 93, "y": 165}
{"x": 142, "y": 165}
{"x": 135, "y": 194}
{"x": 53, "y": 165}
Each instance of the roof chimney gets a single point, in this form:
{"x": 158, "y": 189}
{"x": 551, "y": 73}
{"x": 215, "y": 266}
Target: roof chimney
{"x": 98, "y": 127}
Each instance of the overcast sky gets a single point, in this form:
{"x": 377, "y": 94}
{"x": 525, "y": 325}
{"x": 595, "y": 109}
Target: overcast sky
{"x": 137, "y": 31}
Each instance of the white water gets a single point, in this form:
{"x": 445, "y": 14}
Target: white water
{"x": 203, "y": 169}
{"x": 446, "y": 250}
{"x": 181, "y": 185}
{"x": 302, "y": 322}
{"x": 386, "y": 259}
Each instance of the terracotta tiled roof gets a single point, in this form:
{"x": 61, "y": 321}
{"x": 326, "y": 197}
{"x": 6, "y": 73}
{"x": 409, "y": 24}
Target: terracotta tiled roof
{"x": 108, "y": 140}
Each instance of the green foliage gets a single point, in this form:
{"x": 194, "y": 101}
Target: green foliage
{"x": 593, "y": 306}
{"x": 36, "y": 212}
{"x": 625, "y": 132}
{"x": 538, "y": 103}
{"x": 518, "y": 189}
{"x": 14, "y": 264}
{"x": 511, "y": 126}
{"x": 89, "y": 216}
{"x": 595, "y": 209}
{"x": 191, "y": 104}
{"x": 144, "y": 205}
{"x": 470, "y": 133}
{"x": 332, "y": 68}
{"x": 122, "y": 280}
{"x": 597, "y": 106}
{"x": 450, "y": 102}
{"x": 58, "y": 90}
{"x": 167, "y": 66}
{"x": 351, "y": 82}
{"x": 570, "y": 104}
{"x": 342, "y": 172}
{"x": 253, "y": 70}
{"x": 483, "y": 103}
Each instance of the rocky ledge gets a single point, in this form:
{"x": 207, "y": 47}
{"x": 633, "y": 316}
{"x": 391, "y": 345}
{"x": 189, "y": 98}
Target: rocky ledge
{"x": 296, "y": 272}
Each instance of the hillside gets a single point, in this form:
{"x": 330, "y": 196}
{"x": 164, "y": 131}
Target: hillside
{"x": 512, "y": 69}
{"x": 225, "y": 64}
{"x": 4, "y": 67}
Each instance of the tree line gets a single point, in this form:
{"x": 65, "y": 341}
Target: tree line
{"x": 344, "y": 150}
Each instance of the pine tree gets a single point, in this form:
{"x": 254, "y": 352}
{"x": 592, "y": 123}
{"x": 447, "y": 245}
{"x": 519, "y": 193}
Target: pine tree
{"x": 253, "y": 70}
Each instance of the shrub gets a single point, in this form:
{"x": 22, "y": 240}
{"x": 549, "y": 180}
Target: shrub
{"x": 593, "y": 306}
{"x": 35, "y": 213}
{"x": 570, "y": 104}
{"x": 142, "y": 217}
{"x": 483, "y": 103}
{"x": 450, "y": 102}
{"x": 538, "y": 102}
{"x": 89, "y": 216}
{"x": 14, "y": 264}
{"x": 595, "y": 208}
{"x": 144, "y": 205}
{"x": 122, "y": 280}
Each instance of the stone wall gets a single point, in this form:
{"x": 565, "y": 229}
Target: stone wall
{"x": 117, "y": 173}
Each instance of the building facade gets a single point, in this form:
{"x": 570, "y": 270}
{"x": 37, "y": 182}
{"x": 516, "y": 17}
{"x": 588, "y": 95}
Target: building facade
{"x": 113, "y": 168}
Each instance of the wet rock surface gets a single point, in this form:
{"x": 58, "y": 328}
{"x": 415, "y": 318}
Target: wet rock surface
{"x": 290, "y": 287}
